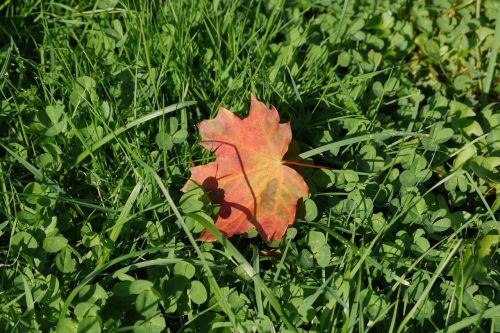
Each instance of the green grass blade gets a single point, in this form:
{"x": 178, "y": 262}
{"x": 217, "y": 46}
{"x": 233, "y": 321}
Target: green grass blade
{"x": 210, "y": 276}
{"x": 346, "y": 93}
{"x": 173, "y": 261}
{"x": 490, "y": 313}
{"x": 111, "y": 136}
{"x": 96, "y": 272}
{"x": 364, "y": 253}
{"x": 117, "y": 228}
{"x": 367, "y": 137}
{"x": 247, "y": 267}
{"x": 481, "y": 196}
{"x": 493, "y": 57}
{"x": 66, "y": 199}
{"x": 309, "y": 300}
{"x": 428, "y": 288}
{"x": 30, "y": 304}
{"x": 34, "y": 171}
{"x": 258, "y": 293}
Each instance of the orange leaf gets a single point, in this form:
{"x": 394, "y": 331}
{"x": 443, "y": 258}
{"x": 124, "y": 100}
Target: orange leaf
{"x": 248, "y": 178}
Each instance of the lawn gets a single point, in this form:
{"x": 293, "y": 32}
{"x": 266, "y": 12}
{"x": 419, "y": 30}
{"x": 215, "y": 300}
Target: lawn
{"x": 396, "y": 103}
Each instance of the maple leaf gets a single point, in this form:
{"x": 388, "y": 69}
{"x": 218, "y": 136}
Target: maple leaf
{"x": 248, "y": 178}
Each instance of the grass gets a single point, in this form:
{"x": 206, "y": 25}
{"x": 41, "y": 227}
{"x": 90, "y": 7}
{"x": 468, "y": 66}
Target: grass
{"x": 99, "y": 107}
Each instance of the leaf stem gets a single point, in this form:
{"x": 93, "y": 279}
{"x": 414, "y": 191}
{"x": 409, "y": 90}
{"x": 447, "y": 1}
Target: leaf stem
{"x": 306, "y": 165}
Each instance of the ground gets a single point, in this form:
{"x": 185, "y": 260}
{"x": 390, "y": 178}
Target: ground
{"x": 397, "y": 100}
